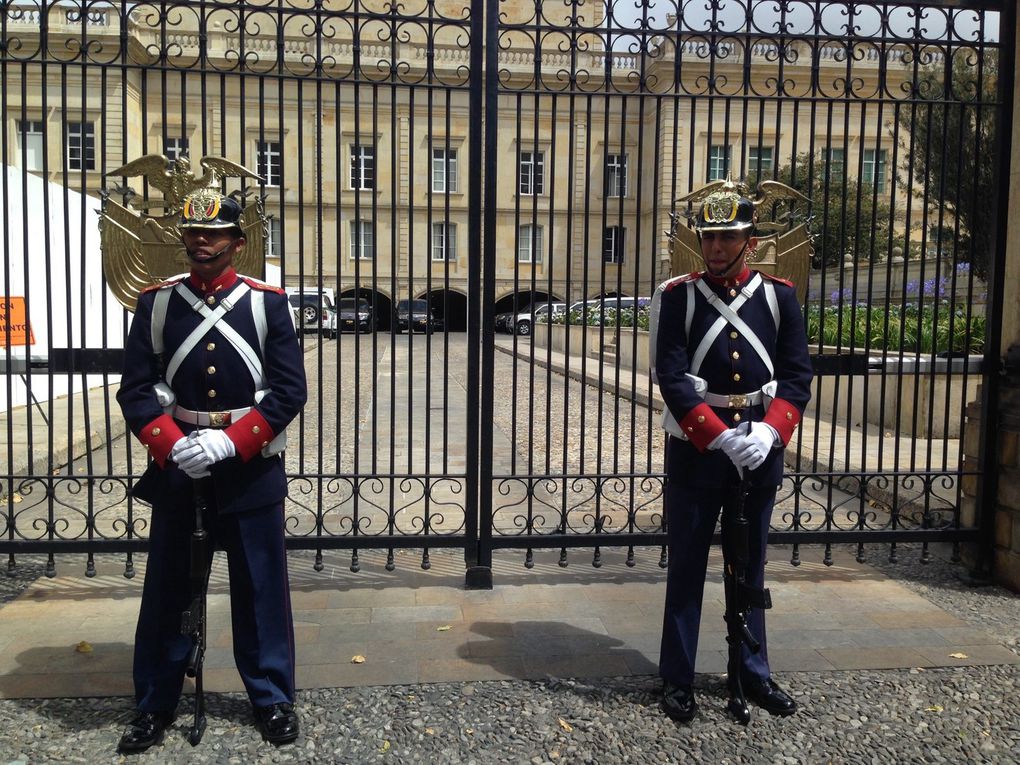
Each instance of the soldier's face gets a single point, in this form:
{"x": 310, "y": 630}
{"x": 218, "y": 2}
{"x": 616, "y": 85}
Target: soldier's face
{"x": 725, "y": 252}
{"x": 211, "y": 250}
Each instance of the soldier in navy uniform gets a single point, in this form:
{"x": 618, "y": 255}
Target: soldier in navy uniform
{"x": 730, "y": 349}
{"x": 213, "y": 374}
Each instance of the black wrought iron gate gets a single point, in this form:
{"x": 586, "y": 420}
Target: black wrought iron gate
{"x": 478, "y": 191}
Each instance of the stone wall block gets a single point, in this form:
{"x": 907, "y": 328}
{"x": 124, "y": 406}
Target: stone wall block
{"x": 1007, "y": 569}
{"x": 1015, "y": 539}
{"x": 1004, "y": 523}
{"x": 972, "y": 437}
{"x": 1008, "y": 448}
{"x": 969, "y": 483}
{"x": 968, "y": 511}
{"x": 1009, "y": 490}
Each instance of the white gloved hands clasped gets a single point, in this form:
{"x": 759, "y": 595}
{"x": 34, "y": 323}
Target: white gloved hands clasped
{"x": 199, "y": 451}
{"x": 729, "y": 442}
{"x": 754, "y": 446}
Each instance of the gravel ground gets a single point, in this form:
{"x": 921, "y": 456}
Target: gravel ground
{"x": 948, "y": 715}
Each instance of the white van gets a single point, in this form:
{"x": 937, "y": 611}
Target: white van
{"x": 316, "y": 309}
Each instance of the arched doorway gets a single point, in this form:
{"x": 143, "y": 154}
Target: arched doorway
{"x": 381, "y": 305}
{"x": 450, "y": 307}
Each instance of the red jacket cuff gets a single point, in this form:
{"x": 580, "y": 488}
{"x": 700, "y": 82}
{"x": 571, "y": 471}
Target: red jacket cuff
{"x": 250, "y": 434}
{"x": 159, "y": 437}
{"x": 702, "y": 426}
{"x": 784, "y": 417}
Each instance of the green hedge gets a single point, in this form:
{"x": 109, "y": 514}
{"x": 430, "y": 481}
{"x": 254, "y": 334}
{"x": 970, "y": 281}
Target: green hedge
{"x": 935, "y": 328}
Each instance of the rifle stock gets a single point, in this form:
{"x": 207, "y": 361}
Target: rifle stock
{"x": 740, "y": 596}
{"x": 193, "y": 620}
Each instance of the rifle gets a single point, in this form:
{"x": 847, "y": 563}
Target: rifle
{"x": 740, "y": 596}
{"x": 193, "y": 620}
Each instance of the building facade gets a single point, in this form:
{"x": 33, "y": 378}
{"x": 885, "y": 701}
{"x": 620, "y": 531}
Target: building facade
{"x": 359, "y": 127}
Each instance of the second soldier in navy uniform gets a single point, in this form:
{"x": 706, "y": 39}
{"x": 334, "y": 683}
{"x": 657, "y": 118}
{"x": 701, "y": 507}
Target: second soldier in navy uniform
{"x": 729, "y": 341}
{"x": 210, "y": 405}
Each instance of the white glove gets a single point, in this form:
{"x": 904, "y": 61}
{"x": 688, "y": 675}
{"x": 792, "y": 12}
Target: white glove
{"x": 204, "y": 448}
{"x": 190, "y": 457}
{"x": 730, "y": 443}
{"x": 217, "y": 444}
{"x": 180, "y": 445}
{"x": 755, "y": 446}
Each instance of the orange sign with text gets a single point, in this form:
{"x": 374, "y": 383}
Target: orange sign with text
{"x": 14, "y": 326}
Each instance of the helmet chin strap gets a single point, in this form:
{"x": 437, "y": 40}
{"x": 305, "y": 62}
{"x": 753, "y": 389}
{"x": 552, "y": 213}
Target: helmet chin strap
{"x": 722, "y": 272}
{"x": 211, "y": 258}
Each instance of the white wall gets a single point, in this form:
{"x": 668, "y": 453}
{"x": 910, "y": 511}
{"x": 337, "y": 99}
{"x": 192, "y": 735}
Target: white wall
{"x": 64, "y": 287}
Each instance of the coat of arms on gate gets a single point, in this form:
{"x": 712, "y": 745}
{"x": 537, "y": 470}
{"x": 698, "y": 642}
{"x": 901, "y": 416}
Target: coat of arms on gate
{"x": 141, "y": 248}
{"x": 784, "y": 246}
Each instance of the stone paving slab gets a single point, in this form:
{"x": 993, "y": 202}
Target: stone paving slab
{"x": 415, "y": 626}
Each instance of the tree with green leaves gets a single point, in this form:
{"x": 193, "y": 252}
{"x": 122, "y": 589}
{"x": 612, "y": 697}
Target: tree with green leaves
{"x": 948, "y": 142}
{"x": 847, "y": 216}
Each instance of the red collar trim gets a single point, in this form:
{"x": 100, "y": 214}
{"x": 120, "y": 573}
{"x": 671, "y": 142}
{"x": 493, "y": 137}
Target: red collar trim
{"x": 224, "y": 281}
{"x": 740, "y": 279}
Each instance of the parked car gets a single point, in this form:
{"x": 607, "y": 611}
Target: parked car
{"x": 414, "y": 316}
{"x": 315, "y": 311}
{"x": 354, "y": 315}
{"x": 502, "y": 322}
{"x": 599, "y": 306}
{"x": 521, "y": 322}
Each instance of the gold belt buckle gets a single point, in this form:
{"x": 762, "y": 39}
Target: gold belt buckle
{"x": 219, "y": 419}
{"x": 738, "y": 401}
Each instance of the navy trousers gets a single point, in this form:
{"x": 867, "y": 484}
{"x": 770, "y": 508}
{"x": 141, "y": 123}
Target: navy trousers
{"x": 260, "y": 611}
{"x": 691, "y": 515}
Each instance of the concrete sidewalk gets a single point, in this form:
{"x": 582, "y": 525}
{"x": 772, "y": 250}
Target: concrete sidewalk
{"x": 72, "y": 635}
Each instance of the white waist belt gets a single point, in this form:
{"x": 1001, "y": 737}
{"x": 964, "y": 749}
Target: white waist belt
{"x": 210, "y": 419}
{"x": 734, "y": 401}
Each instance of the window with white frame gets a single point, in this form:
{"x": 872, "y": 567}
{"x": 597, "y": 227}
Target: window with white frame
{"x": 612, "y": 244}
{"x": 444, "y": 241}
{"x": 175, "y": 148}
{"x": 531, "y": 173}
{"x": 362, "y": 166}
{"x": 362, "y": 240}
{"x": 873, "y": 169}
{"x": 274, "y": 243}
{"x": 81, "y": 146}
{"x": 31, "y": 146}
{"x": 719, "y": 162}
{"x": 837, "y": 162}
{"x": 444, "y": 171}
{"x": 616, "y": 175}
{"x": 269, "y": 161}
{"x": 529, "y": 244}
{"x": 759, "y": 161}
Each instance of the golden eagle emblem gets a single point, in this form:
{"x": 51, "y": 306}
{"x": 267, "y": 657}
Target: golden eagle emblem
{"x": 784, "y": 248}
{"x": 141, "y": 249}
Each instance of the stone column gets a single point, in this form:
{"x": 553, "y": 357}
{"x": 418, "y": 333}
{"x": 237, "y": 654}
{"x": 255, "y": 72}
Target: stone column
{"x": 1007, "y": 417}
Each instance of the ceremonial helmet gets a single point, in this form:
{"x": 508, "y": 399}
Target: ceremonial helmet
{"x": 725, "y": 210}
{"x": 208, "y": 208}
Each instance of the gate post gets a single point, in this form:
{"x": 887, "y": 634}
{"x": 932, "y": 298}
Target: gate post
{"x": 481, "y": 268}
{"x": 997, "y": 501}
